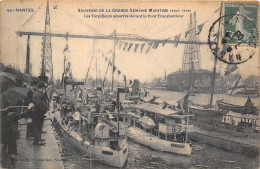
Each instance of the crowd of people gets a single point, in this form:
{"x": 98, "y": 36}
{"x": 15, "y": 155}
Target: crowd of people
{"x": 37, "y": 104}
{"x": 70, "y": 115}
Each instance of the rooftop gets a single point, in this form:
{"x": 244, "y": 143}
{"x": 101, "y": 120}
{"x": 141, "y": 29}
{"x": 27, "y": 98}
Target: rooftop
{"x": 157, "y": 109}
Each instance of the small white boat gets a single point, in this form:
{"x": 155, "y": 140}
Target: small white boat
{"x": 147, "y": 122}
{"x": 156, "y": 143}
{"x": 133, "y": 115}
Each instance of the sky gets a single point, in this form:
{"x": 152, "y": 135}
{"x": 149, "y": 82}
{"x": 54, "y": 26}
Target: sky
{"x": 65, "y": 18}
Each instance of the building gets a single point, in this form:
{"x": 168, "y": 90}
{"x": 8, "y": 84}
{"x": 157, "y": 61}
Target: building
{"x": 196, "y": 81}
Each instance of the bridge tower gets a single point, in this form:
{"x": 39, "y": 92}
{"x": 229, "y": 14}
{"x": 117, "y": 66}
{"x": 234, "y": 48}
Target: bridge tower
{"x": 191, "y": 57}
{"x": 47, "y": 65}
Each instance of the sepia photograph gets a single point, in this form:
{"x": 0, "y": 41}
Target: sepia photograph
{"x": 129, "y": 84}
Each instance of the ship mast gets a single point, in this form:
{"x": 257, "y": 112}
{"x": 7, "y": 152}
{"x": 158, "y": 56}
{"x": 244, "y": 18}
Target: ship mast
{"x": 113, "y": 60}
{"x": 96, "y": 69}
{"x": 27, "y": 67}
{"x": 215, "y": 60}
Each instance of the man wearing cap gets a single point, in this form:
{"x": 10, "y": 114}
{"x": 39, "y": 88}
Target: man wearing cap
{"x": 41, "y": 107}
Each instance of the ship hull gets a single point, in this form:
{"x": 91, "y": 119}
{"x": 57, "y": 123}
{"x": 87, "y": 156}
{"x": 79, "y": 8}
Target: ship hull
{"x": 205, "y": 114}
{"x": 156, "y": 143}
{"x": 230, "y": 107}
{"x": 106, "y": 155}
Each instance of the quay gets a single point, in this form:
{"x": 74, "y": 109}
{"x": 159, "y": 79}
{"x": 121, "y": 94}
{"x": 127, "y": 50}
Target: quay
{"x": 32, "y": 156}
{"x": 246, "y": 145}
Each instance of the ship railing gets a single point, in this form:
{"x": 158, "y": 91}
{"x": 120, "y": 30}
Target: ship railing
{"x": 13, "y": 107}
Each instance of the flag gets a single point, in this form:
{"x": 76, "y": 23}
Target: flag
{"x": 153, "y": 99}
{"x": 124, "y": 77}
{"x": 114, "y": 69}
{"x": 136, "y": 46}
{"x": 125, "y": 45}
{"x": 142, "y": 47}
{"x": 119, "y": 72}
{"x": 183, "y": 103}
{"x": 68, "y": 68}
{"x": 66, "y": 48}
{"x": 230, "y": 68}
{"x": 120, "y": 44}
{"x": 165, "y": 41}
{"x": 130, "y": 45}
{"x": 217, "y": 10}
{"x": 177, "y": 39}
{"x": 130, "y": 82}
{"x": 155, "y": 45}
{"x": 164, "y": 105}
{"x": 200, "y": 28}
{"x": 105, "y": 58}
{"x": 186, "y": 33}
{"x": 116, "y": 42}
{"x": 148, "y": 49}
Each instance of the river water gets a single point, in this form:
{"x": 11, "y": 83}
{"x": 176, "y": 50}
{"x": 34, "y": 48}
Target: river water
{"x": 173, "y": 97}
{"x": 144, "y": 157}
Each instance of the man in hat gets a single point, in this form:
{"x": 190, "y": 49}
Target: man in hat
{"x": 28, "y": 100}
{"x": 41, "y": 107}
{"x": 10, "y": 133}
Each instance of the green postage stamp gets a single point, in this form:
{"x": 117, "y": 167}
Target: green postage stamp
{"x": 240, "y": 23}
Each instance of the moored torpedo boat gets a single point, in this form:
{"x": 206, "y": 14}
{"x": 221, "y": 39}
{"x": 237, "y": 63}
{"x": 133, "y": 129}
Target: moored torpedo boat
{"x": 161, "y": 129}
{"x": 96, "y": 135}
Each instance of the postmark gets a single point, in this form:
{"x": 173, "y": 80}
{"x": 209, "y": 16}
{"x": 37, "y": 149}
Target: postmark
{"x": 233, "y": 37}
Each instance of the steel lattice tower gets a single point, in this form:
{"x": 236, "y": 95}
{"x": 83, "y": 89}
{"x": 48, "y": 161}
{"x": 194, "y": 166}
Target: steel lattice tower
{"x": 47, "y": 66}
{"x": 191, "y": 57}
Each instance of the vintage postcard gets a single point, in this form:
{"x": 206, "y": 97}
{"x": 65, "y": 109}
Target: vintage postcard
{"x": 140, "y": 84}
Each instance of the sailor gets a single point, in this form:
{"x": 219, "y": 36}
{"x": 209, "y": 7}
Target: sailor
{"x": 41, "y": 107}
{"x": 55, "y": 100}
{"x": 106, "y": 110}
{"x": 28, "y": 100}
{"x": 69, "y": 116}
{"x": 97, "y": 106}
{"x": 87, "y": 99}
{"x": 77, "y": 118}
{"x": 63, "y": 112}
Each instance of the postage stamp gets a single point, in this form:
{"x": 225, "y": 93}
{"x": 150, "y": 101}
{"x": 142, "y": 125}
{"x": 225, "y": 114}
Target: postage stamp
{"x": 234, "y": 36}
{"x": 240, "y": 23}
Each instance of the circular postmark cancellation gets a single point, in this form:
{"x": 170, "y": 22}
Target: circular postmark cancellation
{"x": 233, "y": 38}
